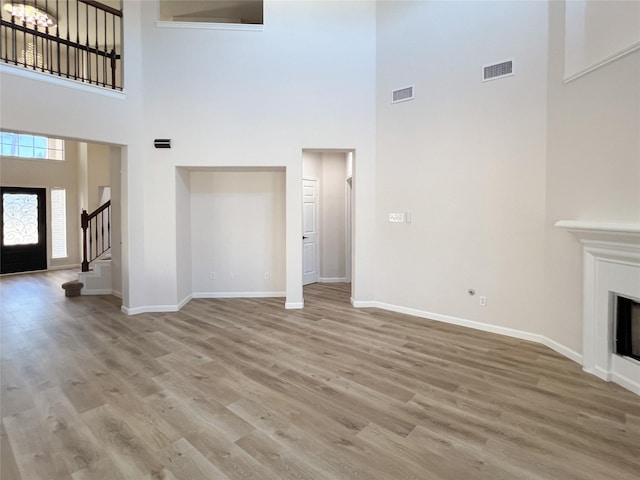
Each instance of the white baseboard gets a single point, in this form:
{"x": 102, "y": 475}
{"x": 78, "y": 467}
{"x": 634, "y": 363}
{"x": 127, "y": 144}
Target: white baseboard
{"x": 332, "y": 280}
{"x": 238, "y": 294}
{"x": 293, "y": 305}
{"x": 510, "y": 332}
{"x": 149, "y": 309}
{"x": 96, "y": 291}
{"x": 615, "y": 377}
{"x": 65, "y": 267}
{"x": 561, "y": 349}
{"x": 629, "y": 384}
{"x": 184, "y": 301}
{"x": 485, "y": 327}
{"x": 115, "y": 293}
{"x": 364, "y": 304}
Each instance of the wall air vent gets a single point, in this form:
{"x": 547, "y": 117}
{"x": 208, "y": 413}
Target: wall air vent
{"x": 499, "y": 70}
{"x": 402, "y": 94}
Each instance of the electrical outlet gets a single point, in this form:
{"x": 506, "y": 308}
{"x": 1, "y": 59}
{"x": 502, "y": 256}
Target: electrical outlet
{"x": 396, "y": 217}
{"x": 483, "y": 301}
{"x": 213, "y": 275}
{"x": 267, "y": 276}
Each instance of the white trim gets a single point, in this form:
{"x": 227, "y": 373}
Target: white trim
{"x": 184, "y": 301}
{"x": 293, "y": 305}
{"x": 246, "y": 27}
{"x": 561, "y": 349}
{"x": 97, "y": 291}
{"x": 627, "y": 383}
{"x": 615, "y": 377}
{"x": 598, "y": 372}
{"x": 238, "y": 294}
{"x": 604, "y": 227}
{"x": 485, "y": 327}
{"x": 332, "y": 280}
{"x": 622, "y": 371}
{"x": 317, "y": 227}
{"x": 64, "y": 267}
{"x": 611, "y": 265}
{"x": 605, "y": 61}
{"x": 364, "y": 303}
{"x": 510, "y": 332}
{"x": 149, "y": 309}
{"x": 61, "y": 81}
{"x": 116, "y": 293}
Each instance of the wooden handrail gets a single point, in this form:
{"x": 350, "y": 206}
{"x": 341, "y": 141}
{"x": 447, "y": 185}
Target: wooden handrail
{"x": 60, "y": 40}
{"x": 102, "y": 242}
{"x": 103, "y": 7}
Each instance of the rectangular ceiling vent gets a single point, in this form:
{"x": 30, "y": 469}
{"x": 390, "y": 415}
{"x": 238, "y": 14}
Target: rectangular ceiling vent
{"x": 499, "y": 70}
{"x": 402, "y": 94}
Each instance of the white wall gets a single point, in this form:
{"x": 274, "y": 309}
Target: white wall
{"x": 226, "y": 98}
{"x": 257, "y": 100}
{"x": 238, "y": 228}
{"x": 593, "y": 168}
{"x": 16, "y": 172}
{"x": 467, "y": 158}
{"x": 332, "y": 202}
{"x": 183, "y": 234}
{"x": 595, "y": 31}
{"x": 99, "y": 172}
{"x": 116, "y": 219}
{"x": 80, "y": 113}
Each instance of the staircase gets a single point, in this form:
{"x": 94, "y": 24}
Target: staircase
{"x": 98, "y": 280}
{"x": 96, "y": 247}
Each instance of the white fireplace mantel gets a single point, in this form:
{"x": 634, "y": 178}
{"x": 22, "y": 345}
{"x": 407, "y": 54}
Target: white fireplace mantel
{"x": 611, "y": 256}
{"x": 602, "y": 231}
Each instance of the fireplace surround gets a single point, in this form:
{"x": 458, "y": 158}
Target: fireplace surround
{"x": 611, "y": 260}
{"x": 627, "y": 327}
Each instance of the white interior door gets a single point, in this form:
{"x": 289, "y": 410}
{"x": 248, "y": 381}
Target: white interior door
{"x": 310, "y": 258}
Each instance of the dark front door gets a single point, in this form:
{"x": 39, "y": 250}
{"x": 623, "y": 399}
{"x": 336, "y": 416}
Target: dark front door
{"x": 24, "y": 229}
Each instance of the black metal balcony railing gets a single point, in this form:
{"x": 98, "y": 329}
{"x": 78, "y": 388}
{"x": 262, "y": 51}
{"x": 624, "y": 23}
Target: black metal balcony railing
{"x": 76, "y": 39}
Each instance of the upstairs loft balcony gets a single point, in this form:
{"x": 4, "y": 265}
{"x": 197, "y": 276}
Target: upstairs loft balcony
{"x": 76, "y": 39}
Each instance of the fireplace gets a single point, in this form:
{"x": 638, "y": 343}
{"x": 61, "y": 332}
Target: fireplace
{"x": 611, "y": 305}
{"x": 627, "y": 327}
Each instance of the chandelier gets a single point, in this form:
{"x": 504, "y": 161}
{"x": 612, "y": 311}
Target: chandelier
{"x": 30, "y": 14}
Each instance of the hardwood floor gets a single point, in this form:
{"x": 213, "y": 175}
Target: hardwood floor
{"x": 244, "y": 389}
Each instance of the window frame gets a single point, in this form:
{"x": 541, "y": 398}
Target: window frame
{"x": 27, "y": 146}
{"x": 54, "y": 223}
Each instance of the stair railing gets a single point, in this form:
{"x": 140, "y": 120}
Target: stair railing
{"x": 75, "y": 39}
{"x": 95, "y": 240}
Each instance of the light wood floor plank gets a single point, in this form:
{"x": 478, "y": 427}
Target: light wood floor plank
{"x": 244, "y": 389}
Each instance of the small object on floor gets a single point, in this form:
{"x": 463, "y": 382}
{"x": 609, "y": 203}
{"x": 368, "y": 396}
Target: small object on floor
{"x": 72, "y": 288}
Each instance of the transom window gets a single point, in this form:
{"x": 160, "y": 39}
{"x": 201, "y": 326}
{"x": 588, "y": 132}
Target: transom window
{"x": 31, "y": 146}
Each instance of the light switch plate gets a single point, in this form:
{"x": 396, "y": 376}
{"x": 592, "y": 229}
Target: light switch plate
{"x": 396, "y": 217}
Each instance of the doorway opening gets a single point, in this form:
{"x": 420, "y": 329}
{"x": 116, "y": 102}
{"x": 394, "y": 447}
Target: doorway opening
{"x": 327, "y": 213}
{"x": 70, "y": 175}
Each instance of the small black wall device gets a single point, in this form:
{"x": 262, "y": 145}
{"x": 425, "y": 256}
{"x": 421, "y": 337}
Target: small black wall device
{"x": 162, "y": 143}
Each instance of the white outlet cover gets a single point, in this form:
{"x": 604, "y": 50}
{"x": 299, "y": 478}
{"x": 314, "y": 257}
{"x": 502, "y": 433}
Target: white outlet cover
{"x": 396, "y": 217}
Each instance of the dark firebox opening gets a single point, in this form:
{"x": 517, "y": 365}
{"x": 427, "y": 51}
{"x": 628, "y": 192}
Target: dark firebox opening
{"x": 628, "y": 328}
